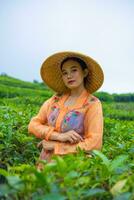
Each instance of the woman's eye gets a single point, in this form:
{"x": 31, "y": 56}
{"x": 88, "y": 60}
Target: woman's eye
{"x": 74, "y": 70}
{"x": 64, "y": 73}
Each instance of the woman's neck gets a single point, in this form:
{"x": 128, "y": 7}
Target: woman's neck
{"x": 76, "y": 92}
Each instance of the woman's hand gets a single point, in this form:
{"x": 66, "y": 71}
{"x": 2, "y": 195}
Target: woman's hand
{"x": 70, "y": 136}
{"x": 47, "y": 145}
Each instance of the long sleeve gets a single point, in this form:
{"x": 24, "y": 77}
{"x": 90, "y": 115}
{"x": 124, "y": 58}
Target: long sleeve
{"x": 37, "y": 125}
{"x": 93, "y": 131}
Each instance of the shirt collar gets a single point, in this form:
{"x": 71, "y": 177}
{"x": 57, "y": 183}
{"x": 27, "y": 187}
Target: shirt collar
{"x": 79, "y": 102}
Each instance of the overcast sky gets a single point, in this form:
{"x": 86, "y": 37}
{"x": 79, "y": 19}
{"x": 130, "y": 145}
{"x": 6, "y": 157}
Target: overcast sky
{"x": 31, "y": 30}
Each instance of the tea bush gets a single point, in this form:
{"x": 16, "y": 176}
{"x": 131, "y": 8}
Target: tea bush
{"x": 97, "y": 175}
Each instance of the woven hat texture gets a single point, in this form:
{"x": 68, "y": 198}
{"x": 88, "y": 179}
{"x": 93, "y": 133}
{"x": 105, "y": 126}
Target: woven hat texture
{"x": 51, "y": 72}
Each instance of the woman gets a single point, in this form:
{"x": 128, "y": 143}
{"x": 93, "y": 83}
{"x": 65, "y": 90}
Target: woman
{"x": 72, "y": 117}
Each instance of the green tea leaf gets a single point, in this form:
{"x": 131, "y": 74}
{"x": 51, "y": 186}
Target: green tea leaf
{"x": 105, "y": 160}
{"x": 116, "y": 189}
{"x": 15, "y": 182}
{"x": 52, "y": 197}
{"x": 3, "y": 172}
{"x": 94, "y": 192}
{"x": 118, "y": 161}
{"x": 123, "y": 196}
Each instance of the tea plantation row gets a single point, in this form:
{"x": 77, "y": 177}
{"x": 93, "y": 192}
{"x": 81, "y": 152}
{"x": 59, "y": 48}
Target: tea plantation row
{"x": 108, "y": 174}
{"x": 97, "y": 175}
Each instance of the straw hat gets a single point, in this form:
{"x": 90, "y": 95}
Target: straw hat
{"x": 51, "y": 72}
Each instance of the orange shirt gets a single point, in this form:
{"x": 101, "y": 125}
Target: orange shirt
{"x": 85, "y": 117}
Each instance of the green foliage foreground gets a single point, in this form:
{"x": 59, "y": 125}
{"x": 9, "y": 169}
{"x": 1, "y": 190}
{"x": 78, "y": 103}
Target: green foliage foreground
{"x": 97, "y": 175}
{"x": 103, "y": 175}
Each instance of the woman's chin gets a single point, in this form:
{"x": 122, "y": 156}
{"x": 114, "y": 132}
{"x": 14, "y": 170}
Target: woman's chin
{"x": 72, "y": 86}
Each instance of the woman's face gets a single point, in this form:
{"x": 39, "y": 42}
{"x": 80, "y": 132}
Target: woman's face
{"x": 72, "y": 74}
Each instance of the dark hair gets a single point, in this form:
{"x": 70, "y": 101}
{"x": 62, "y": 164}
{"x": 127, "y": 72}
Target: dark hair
{"x": 79, "y": 60}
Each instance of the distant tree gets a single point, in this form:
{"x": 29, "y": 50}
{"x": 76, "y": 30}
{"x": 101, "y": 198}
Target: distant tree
{"x": 35, "y": 81}
{"x": 104, "y": 96}
{"x": 128, "y": 97}
{"x": 3, "y": 74}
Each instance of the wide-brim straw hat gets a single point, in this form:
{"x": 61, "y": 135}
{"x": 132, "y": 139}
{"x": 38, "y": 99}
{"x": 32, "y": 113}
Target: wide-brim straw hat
{"x": 52, "y": 76}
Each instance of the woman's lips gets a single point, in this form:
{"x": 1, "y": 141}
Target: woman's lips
{"x": 71, "y": 81}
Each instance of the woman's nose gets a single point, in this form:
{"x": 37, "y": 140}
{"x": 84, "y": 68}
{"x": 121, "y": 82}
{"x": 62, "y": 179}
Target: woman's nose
{"x": 69, "y": 75}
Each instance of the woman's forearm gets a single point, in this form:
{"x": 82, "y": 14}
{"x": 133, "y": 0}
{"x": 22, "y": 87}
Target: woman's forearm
{"x": 55, "y": 136}
{"x": 42, "y": 131}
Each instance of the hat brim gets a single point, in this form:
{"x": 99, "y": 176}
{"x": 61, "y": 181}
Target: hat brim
{"x": 51, "y": 72}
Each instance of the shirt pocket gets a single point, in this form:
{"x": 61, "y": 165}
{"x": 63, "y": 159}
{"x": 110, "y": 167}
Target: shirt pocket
{"x": 73, "y": 120}
{"x": 53, "y": 116}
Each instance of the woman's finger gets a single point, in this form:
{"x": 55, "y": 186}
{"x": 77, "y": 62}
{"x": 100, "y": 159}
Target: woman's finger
{"x": 75, "y": 139}
{"x": 39, "y": 144}
{"x": 78, "y": 136}
{"x": 70, "y": 140}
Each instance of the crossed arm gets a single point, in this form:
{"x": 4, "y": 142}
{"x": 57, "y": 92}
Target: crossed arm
{"x": 63, "y": 143}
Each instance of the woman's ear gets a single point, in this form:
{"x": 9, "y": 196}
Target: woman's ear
{"x": 85, "y": 72}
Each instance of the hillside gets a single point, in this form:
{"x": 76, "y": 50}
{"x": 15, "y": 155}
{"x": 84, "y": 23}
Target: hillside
{"x": 94, "y": 175}
{"x": 12, "y": 87}
{"x": 14, "y": 82}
